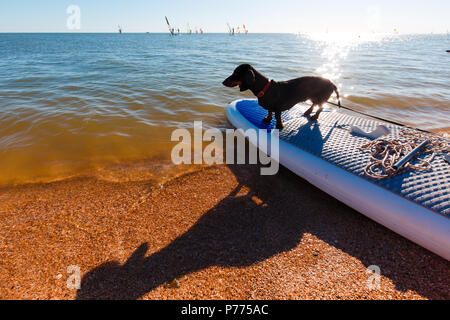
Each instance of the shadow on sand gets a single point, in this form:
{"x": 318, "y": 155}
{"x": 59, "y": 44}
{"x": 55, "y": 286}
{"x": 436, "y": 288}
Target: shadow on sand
{"x": 239, "y": 232}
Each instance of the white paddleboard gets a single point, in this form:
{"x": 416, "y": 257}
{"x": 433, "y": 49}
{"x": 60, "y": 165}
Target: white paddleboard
{"x": 415, "y": 204}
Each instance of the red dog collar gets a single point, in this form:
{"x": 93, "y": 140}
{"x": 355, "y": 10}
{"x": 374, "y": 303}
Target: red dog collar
{"x": 263, "y": 92}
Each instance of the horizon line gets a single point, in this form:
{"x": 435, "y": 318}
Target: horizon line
{"x": 193, "y": 33}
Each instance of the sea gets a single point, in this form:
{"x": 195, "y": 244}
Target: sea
{"x": 73, "y": 104}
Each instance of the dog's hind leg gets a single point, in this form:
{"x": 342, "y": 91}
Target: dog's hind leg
{"x": 308, "y": 112}
{"x": 316, "y": 116}
{"x": 268, "y": 118}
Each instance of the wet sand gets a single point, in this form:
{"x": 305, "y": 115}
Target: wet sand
{"x": 223, "y": 232}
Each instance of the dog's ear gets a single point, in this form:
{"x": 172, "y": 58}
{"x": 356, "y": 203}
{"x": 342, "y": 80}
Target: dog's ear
{"x": 247, "y": 80}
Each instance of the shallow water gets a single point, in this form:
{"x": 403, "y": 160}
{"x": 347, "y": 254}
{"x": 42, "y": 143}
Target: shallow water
{"x": 70, "y": 103}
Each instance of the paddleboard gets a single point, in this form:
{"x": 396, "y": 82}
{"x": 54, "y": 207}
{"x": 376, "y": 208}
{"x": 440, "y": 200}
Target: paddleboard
{"x": 414, "y": 204}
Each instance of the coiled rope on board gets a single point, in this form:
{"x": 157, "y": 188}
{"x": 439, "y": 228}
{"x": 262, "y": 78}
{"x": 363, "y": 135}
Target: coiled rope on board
{"x": 386, "y": 153}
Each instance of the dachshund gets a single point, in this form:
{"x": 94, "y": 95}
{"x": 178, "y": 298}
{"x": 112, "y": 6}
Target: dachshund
{"x": 278, "y": 96}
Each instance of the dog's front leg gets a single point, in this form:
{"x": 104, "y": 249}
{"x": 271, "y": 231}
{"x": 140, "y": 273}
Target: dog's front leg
{"x": 268, "y": 118}
{"x": 280, "y": 124}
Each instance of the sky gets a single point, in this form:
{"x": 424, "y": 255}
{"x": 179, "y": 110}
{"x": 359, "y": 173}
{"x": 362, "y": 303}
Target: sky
{"x": 284, "y": 16}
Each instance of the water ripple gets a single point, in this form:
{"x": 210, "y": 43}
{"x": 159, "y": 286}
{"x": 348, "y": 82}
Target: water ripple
{"x": 79, "y": 100}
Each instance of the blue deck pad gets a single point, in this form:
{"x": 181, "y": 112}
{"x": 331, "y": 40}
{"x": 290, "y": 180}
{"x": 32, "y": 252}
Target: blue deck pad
{"x": 329, "y": 139}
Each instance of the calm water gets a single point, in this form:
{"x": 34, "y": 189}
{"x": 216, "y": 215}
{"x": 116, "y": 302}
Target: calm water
{"x": 70, "y": 102}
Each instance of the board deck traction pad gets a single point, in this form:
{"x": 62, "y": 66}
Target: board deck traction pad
{"x": 330, "y": 140}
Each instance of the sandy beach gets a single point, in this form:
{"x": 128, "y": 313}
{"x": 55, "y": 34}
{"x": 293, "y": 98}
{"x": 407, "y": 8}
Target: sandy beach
{"x": 116, "y": 120}
{"x": 218, "y": 232}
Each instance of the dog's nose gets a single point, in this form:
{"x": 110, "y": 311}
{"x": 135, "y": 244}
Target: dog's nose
{"x": 227, "y": 82}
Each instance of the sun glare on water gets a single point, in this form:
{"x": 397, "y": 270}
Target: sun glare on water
{"x": 335, "y": 48}
{"x": 347, "y": 38}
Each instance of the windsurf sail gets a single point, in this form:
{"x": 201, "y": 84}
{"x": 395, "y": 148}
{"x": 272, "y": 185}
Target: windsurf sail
{"x": 230, "y": 30}
{"x": 171, "y": 30}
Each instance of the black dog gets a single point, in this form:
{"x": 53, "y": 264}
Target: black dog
{"x": 277, "y": 96}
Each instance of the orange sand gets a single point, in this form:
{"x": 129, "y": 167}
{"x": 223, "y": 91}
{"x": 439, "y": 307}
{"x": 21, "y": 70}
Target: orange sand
{"x": 224, "y": 232}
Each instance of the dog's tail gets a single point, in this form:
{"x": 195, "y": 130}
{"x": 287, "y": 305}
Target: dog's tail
{"x": 337, "y": 95}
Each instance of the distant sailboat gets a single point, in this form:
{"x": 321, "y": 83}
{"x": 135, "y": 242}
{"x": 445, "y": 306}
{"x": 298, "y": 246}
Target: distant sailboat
{"x": 230, "y": 30}
{"x": 188, "y": 30}
{"x": 171, "y": 30}
{"x": 245, "y": 29}
{"x": 120, "y": 29}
